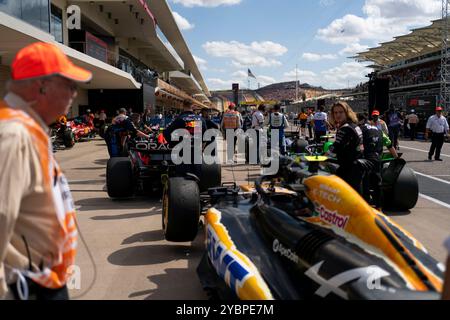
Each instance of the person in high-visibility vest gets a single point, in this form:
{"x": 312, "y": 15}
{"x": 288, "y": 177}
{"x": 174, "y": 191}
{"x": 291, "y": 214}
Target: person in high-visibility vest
{"x": 278, "y": 120}
{"x": 38, "y": 234}
{"x": 231, "y": 121}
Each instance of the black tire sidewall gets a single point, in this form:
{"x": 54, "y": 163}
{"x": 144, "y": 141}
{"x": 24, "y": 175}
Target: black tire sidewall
{"x": 119, "y": 178}
{"x": 182, "y": 206}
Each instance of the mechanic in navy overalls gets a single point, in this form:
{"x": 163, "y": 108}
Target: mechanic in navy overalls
{"x": 191, "y": 122}
{"x": 278, "y": 121}
{"x": 121, "y": 127}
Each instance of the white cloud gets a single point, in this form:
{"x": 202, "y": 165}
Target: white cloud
{"x": 239, "y": 74}
{"x": 217, "y": 84}
{"x": 304, "y": 76}
{"x": 353, "y": 49}
{"x": 182, "y": 22}
{"x": 326, "y": 3}
{"x": 247, "y": 55}
{"x": 340, "y": 77}
{"x": 265, "y": 80}
{"x": 207, "y": 3}
{"x": 383, "y": 20}
{"x": 347, "y": 74}
{"x": 240, "y": 77}
{"x": 314, "y": 57}
{"x": 201, "y": 63}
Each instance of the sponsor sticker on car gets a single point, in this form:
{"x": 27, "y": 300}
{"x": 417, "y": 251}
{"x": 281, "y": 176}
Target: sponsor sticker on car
{"x": 332, "y": 217}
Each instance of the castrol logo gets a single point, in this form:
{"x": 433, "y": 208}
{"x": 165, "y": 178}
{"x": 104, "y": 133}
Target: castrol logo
{"x": 332, "y": 217}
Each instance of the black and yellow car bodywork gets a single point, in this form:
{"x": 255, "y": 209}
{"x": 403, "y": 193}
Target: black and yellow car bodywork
{"x": 321, "y": 240}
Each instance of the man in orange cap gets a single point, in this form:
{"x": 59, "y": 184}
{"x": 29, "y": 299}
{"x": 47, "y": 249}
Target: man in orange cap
{"x": 377, "y": 122}
{"x": 438, "y": 126}
{"x": 38, "y": 235}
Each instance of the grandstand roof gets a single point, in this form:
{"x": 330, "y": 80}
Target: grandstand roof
{"x": 419, "y": 42}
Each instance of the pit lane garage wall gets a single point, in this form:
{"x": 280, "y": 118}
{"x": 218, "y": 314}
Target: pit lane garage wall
{"x": 81, "y": 100}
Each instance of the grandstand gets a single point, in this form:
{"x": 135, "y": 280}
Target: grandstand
{"x": 412, "y": 64}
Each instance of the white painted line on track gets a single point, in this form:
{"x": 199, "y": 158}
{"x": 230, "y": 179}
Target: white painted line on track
{"x": 443, "y": 204}
{"x": 432, "y": 177}
{"x": 420, "y": 150}
{"x": 439, "y": 202}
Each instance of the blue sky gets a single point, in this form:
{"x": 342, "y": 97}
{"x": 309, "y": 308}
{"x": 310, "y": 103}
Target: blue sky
{"x": 270, "y": 37}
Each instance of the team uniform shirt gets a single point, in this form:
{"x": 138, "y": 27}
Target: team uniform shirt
{"x": 394, "y": 119}
{"x": 373, "y": 142}
{"x": 381, "y": 125}
{"x": 37, "y": 215}
{"x": 119, "y": 119}
{"x": 188, "y": 120}
{"x": 257, "y": 120}
{"x": 277, "y": 120}
{"x": 102, "y": 116}
{"x": 348, "y": 146}
{"x": 247, "y": 122}
{"x": 320, "y": 121}
{"x": 303, "y": 116}
{"x": 437, "y": 124}
{"x": 412, "y": 119}
{"x": 124, "y": 123}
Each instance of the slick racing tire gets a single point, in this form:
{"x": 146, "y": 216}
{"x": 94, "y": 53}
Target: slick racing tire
{"x": 403, "y": 194}
{"x": 405, "y": 191}
{"x": 119, "y": 178}
{"x": 181, "y": 210}
{"x": 210, "y": 176}
{"x": 69, "y": 139}
{"x": 102, "y": 131}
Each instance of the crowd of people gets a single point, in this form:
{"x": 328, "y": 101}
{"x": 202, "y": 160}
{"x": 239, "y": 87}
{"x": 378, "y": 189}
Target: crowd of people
{"x": 414, "y": 75}
{"x": 407, "y": 77}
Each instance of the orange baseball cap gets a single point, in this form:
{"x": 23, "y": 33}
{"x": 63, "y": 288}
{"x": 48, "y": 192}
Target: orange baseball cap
{"x": 439, "y": 109}
{"x": 375, "y": 113}
{"x": 42, "y": 59}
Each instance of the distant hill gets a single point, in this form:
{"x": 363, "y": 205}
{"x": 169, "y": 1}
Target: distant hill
{"x": 284, "y": 91}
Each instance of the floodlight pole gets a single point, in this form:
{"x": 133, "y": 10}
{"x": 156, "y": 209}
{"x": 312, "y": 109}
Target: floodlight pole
{"x": 445, "y": 62}
{"x": 296, "y": 82}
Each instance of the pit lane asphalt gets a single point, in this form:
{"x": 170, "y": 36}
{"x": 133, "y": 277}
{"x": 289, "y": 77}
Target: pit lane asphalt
{"x": 132, "y": 259}
{"x": 434, "y": 176}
